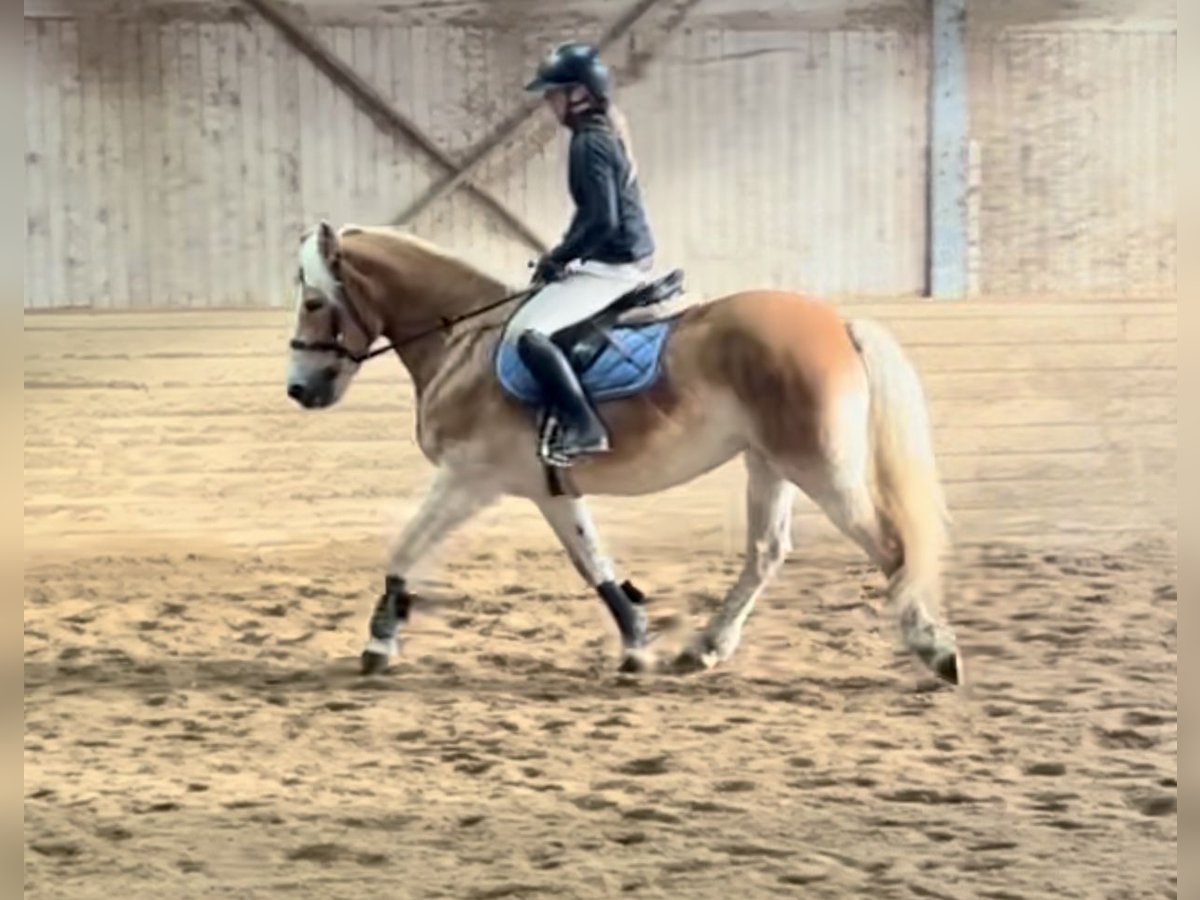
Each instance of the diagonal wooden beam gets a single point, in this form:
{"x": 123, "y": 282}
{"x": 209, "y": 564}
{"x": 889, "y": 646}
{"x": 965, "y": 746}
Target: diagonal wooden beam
{"x": 510, "y": 126}
{"x": 380, "y": 109}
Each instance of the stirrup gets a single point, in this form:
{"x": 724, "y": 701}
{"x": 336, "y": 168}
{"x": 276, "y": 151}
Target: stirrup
{"x": 552, "y": 450}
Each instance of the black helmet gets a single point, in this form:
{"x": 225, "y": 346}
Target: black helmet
{"x": 574, "y": 62}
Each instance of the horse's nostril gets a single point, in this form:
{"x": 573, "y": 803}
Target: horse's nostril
{"x": 296, "y": 392}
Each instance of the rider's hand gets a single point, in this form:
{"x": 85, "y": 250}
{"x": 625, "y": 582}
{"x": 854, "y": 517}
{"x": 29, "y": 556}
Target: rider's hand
{"x": 546, "y": 270}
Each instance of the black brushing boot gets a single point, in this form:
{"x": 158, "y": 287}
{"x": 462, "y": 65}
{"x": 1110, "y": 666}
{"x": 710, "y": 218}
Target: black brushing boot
{"x": 581, "y": 430}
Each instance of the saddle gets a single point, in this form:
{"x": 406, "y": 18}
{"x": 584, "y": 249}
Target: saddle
{"x": 584, "y": 342}
{"x": 615, "y": 353}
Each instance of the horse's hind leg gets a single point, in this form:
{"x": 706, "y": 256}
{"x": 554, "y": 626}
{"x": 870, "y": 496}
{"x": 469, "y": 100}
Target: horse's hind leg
{"x": 849, "y": 505}
{"x": 769, "y": 500}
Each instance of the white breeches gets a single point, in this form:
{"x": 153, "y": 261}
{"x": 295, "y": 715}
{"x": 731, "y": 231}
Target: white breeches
{"x": 585, "y": 289}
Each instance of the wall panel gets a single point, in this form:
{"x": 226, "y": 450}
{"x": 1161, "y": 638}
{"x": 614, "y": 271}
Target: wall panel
{"x": 176, "y": 157}
{"x": 1076, "y": 135}
{"x": 177, "y": 149}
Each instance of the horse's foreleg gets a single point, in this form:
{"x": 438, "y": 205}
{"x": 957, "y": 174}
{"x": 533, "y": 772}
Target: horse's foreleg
{"x": 451, "y": 501}
{"x": 572, "y": 522}
{"x": 769, "y": 500}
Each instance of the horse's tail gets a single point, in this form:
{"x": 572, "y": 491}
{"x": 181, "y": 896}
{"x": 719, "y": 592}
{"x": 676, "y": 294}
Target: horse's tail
{"x": 905, "y": 485}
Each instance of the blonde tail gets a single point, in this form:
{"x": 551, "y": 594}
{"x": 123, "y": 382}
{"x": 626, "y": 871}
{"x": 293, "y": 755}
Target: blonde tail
{"x": 907, "y": 490}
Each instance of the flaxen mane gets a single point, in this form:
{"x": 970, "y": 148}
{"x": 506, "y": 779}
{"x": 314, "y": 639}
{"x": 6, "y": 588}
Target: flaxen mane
{"x": 405, "y": 249}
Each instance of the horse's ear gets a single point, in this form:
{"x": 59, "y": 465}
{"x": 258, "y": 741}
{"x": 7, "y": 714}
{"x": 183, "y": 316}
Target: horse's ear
{"x": 327, "y": 244}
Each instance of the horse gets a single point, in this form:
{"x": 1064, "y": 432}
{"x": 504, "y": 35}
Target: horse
{"x": 812, "y": 402}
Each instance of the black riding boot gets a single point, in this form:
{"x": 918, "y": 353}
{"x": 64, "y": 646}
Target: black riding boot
{"x": 582, "y": 431}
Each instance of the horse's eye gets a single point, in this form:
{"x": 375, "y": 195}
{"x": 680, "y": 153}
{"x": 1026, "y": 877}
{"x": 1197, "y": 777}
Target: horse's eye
{"x": 312, "y": 304}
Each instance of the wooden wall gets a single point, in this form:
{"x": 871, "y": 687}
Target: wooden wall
{"x": 175, "y": 155}
{"x": 1074, "y": 131}
{"x": 176, "y": 149}
{"x": 1052, "y": 420}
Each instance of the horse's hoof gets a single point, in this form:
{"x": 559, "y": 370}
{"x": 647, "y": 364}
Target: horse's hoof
{"x": 693, "y": 660}
{"x": 948, "y": 667}
{"x": 938, "y": 650}
{"x": 373, "y": 662}
{"x": 635, "y": 662}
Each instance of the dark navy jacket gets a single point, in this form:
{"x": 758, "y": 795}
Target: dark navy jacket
{"x": 610, "y": 224}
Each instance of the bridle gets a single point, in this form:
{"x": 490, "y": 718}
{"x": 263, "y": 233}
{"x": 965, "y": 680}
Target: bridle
{"x": 340, "y": 350}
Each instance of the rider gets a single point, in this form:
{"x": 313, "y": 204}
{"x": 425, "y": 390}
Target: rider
{"x": 606, "y": 251}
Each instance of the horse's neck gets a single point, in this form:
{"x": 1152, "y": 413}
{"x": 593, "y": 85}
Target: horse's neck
{"x": 453, "y": 307}
{"x": 423, "y": 356}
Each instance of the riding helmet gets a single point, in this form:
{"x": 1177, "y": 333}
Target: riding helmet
{"x": 571, "y": 63}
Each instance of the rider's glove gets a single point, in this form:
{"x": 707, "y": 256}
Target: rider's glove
{"x": 547, "y": 270}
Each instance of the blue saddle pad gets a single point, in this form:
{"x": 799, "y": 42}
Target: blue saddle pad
{"x": 629, "y": 363}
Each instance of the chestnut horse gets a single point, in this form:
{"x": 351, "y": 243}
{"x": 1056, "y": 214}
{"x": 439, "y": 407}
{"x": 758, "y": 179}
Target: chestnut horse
{"x": 811, "y": 402}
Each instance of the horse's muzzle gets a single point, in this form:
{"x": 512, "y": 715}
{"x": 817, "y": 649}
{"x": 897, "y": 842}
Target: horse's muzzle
{"x": 311, "y": 396}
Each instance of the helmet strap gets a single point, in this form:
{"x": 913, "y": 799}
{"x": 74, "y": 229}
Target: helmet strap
{"x": 587, "y": 104}
{"x": 580, "y": 99}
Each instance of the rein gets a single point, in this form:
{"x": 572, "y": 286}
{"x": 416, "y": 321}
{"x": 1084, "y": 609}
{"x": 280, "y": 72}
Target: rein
{"x": 447, "y": 322}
